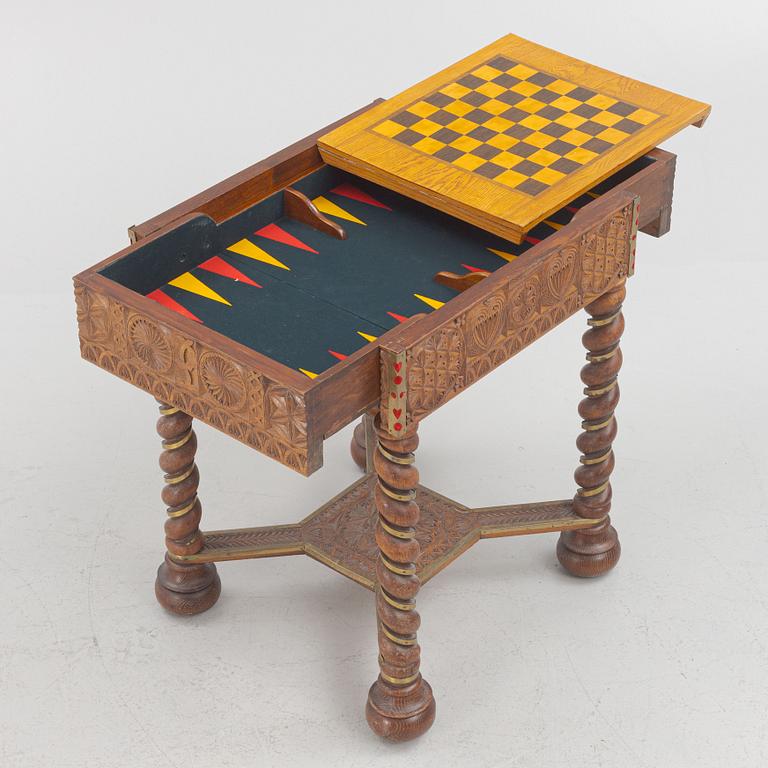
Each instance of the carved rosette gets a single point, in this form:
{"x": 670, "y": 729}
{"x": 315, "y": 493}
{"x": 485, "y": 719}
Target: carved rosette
{"x": 187, "y": 374}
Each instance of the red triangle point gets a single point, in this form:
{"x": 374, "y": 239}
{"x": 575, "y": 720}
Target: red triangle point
{"x": 337, "y": 355}
{"x": 399, "y": 318}
{"x": 278, "y": 234}
{"x": 353, "y": 193}
{"x": 167, "y": 301}
{"x": 470, "y": 268}
{"x": 218, "y": 266}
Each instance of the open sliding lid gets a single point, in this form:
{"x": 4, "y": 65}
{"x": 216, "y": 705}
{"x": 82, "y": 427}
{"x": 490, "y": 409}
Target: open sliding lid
{"x": 508, "y": 135}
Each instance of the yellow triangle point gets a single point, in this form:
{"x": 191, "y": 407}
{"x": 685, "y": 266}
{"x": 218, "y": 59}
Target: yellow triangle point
{"x": 504, "y": 255}
{"x": 188, "y": 282}
{"x": 553, "y": 224}
{"x": 245, "y": 247}
{"x": 324, "y": 205}
{"x": 367, "y": 336}
{"x": 434, "y": 303}
{"x": 308, "y": 373}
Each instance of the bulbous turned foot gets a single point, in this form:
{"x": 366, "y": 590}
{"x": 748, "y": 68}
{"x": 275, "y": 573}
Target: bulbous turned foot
{"x": 400, "y": 713}
{"x": 187, "y": 589}
{"x": 589, "y": 551}
{"x": 357, "y": 446}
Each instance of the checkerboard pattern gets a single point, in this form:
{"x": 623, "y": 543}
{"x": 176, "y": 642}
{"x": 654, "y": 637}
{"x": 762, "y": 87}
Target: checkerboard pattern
{"x": 516, "y": 125}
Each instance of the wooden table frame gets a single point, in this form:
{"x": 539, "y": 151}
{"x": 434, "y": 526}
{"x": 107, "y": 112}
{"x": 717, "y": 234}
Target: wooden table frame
{"x": 393, "y": 383}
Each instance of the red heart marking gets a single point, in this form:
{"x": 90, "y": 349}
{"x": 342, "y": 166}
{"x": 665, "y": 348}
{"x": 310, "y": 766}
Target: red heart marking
{"x": 398, "y": 380}
{"x": 398, "y": 366}
{"x": 397, "y": 412}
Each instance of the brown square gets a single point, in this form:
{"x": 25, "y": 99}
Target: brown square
{"x": 531, "y": 187}
{"x": 527, "y": 167}
{"x": 486, "y": 151}
{"x": 489, "y": 170}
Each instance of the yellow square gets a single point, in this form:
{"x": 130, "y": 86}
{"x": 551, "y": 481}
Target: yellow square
{"x": 454, "y": 90}
{"x": 510, "y": 178}
{"x": 430, "y": 146}
{"x": 530, "y": 105}
{"x": 539, "y": 140}
{"x": 422, "y": 109}
{"x": 561, "y": 86}
{"x": 425, "y": 127}
{"x": 569, "y": 120}
{"x": 389, "y": 128}
{"x": 581, "y": 155}
{"x": 525, "y": 88}
{"x": 576, "y": 137}
{"x": 501, "y": 141}
{"x": 469, "y": 162}
{"x": 566, "y": 103}
{"x": 486, "y": 72}
{"x": 465, "y": 143}
{"x": 507, "y": 159}
{"x": 606, "y": 118}
{"x": 499, "y": 124}
{"x": 601, "y": 102}
{"x": 543, "y": 157}
{"x": 494, "y": 107}
{"x": 535, "y": 122}
{"x": 460, "y": 125}
{"x": 643, "y": 116}
{"x": 458, "y": 108}
{"x": 612, "y": 135}
{"x": 548, "y": 176}
{"x": 490, "y": 89}
{"x": 521, "y": 71}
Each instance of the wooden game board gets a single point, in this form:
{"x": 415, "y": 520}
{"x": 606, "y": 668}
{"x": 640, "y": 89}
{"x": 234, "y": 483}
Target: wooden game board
{"x": 509, "y": 134}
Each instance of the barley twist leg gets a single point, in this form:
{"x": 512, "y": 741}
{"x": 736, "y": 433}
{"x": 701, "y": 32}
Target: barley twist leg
{"x": 595, "y": 550}
{"x": 180, "y": 587}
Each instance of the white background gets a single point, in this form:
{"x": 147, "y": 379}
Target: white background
{"x": 111, "y": 113}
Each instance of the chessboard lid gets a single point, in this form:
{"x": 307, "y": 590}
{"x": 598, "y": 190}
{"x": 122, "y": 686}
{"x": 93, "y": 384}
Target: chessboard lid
{"x": 508, "y": 135}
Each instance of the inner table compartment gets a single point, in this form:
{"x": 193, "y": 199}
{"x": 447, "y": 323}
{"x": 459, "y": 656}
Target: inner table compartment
{"x": 307, "y": 299}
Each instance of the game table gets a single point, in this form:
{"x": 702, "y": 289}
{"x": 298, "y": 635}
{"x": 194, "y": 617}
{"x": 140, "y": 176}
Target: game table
{"x": 377, "y": 269}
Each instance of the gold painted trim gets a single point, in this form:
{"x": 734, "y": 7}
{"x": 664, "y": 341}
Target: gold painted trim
{"x": 597, "y": 391}
{"x": 589, "y": 427}
{"x": 593, "y": 358}
{"x": 394, "y": 603}
{"x": 172, "y": 513}
{"x": 398, "y": 680}
{"x": 169, "y": 411}
{"x": 408, "y": 458}
{"x": 172, "y": 480}
{"x": 598, "y": 322}
{"x": 184, "y": 440}
{"x": 396, "y": 638}
{"x": 394, "y": 532}
{"x": 586, "y": 492}
{"x": 598, "y": 460}
{"x": 390, "y": 566}
{"x": 408, "y": 496}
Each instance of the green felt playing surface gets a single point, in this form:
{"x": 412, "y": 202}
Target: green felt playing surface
{"x": 307, "y": 299}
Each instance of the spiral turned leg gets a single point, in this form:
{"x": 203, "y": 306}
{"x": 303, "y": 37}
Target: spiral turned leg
{"x": 400, "y": 703}
{"x": 182, "y": 588}
{"x": 595, "y": 550}
{"x": 362, "y": 444}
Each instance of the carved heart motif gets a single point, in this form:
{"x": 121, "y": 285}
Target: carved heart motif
{"x": 484, "y": 324}
{"x": 525, "y": 302}
{"x": 560, "y": 272}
